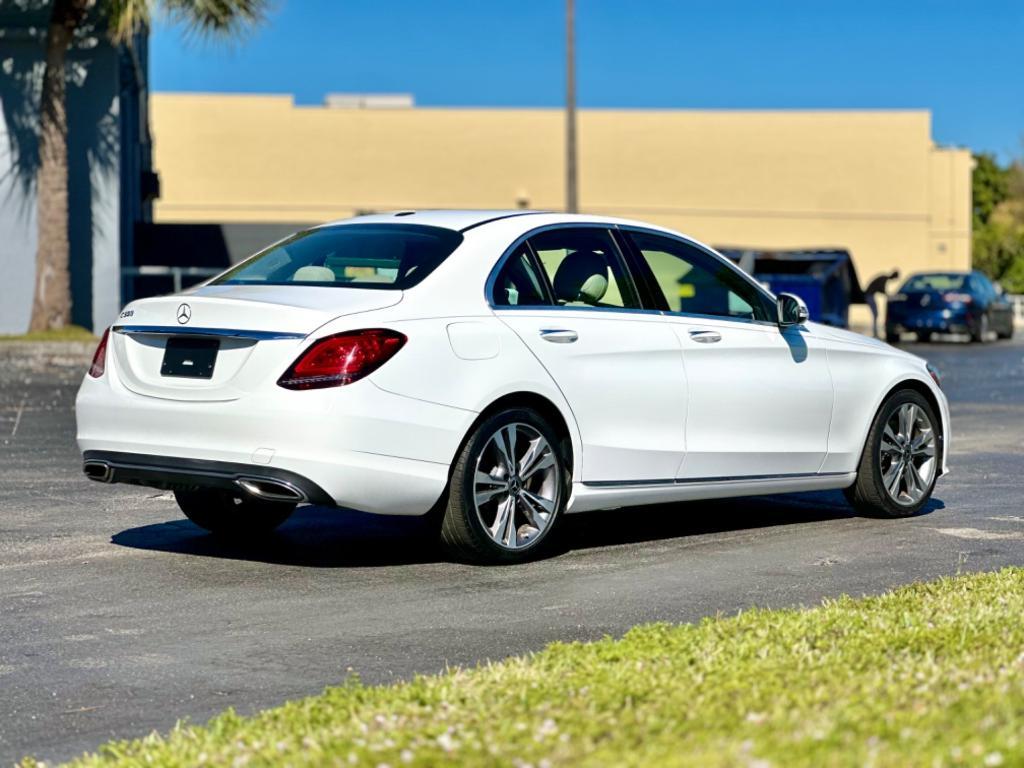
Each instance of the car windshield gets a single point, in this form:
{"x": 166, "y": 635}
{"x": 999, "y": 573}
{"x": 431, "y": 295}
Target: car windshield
{"x": 938, "y": 282}
{"x": 380, "y": 256}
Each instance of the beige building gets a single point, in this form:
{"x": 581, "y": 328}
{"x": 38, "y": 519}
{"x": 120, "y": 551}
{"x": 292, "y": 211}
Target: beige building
{"x": 873, "y": 182}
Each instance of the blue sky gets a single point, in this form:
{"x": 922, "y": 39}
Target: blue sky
{"x": 963, "y": 60}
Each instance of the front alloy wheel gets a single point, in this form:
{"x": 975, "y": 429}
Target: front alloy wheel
{"x": 508, "y": 488}
{"x": 900, "y": 462}
{"x": 906, "y": 454}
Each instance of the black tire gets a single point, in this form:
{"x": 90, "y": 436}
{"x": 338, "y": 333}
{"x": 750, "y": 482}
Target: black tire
{"x": 463, "y": 533}
{"x": 979, "y": 334}
{"x": 235, "y": 515}
{"x": 891, "y": 336}
{"x": 868, "y": 494}
{"x": 924, "y": 336}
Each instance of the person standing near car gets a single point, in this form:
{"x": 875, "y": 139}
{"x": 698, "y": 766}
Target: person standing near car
{"x": 875, "y": 287}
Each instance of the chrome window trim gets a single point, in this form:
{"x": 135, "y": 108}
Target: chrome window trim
{"x": 553, "y": 307}
{"x": 492, "y": 277}
{"x": 179, "y": 330}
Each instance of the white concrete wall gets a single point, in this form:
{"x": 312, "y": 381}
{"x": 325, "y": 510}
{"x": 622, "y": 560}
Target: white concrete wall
{"x": 17, "y": 243}
{"x": 106, "y": 236}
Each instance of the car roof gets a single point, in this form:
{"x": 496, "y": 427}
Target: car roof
{"x": 462, "y": 220}
{"x": 458, "y": 220}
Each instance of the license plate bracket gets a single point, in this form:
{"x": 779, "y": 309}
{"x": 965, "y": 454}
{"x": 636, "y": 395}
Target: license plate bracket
{"x": 190, "y": 357}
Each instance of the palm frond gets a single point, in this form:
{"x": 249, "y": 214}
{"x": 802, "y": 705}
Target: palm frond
{"x": 217, "y": 18}
{"x": 126, "y": 17}
{"x": 206, "y": 18}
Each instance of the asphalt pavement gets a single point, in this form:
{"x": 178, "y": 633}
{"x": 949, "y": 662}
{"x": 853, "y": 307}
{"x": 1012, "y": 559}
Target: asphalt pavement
{"x": 118, "y": 616}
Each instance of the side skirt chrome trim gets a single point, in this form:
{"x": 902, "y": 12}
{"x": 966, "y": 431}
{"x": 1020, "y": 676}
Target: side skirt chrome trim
{"x": 705, "y": 480}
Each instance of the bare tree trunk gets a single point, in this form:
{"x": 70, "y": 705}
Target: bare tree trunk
{"x": 51, "y": 304}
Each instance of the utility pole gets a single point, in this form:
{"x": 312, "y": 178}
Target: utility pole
{"x": 571, "y": 199}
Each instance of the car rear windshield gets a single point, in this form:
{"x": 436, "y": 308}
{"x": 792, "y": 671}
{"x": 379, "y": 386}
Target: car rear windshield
{"x": 934, "y": 283}
{"x": 376, "y": 256}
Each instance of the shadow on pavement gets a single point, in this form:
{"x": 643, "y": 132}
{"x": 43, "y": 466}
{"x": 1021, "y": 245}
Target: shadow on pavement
{"x": 696, "y": 518}
{"x": 320, "y": 537}
{"x": 315, "y": 537}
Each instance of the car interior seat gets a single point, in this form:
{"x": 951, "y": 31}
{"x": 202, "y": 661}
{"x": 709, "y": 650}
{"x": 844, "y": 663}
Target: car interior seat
{"x": 313, "y": 274}
{"x": 581, "y": 277}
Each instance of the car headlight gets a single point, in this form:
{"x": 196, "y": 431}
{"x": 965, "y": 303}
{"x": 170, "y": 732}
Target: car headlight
{"x": 934, "y": 373}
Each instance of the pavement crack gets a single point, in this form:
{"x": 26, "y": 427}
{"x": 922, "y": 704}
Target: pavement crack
{"x": 17, "y": 418}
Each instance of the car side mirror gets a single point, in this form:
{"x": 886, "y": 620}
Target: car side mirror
{"x": 792, "y": 310}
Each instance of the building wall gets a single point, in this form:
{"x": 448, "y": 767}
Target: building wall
{"x": 872, "y": 182}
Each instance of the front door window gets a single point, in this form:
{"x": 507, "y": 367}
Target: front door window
{"x": 693, "y": 282}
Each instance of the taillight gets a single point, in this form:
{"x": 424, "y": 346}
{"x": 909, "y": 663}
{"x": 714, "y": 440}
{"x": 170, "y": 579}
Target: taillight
{"x": 957, "y": 298}
{"x": 99, "y": 358}
{"x": 343, "y": 358}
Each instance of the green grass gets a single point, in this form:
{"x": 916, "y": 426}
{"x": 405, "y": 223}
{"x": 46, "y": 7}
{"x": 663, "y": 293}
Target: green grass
{"x": 930, "y": 674}
{"x": 67, "y": 333}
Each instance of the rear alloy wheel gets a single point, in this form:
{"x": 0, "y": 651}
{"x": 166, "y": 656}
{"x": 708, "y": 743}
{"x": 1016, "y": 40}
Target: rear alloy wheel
{"x": 508, "y": 490}
{"x": 900, "y": 462}
{"x": 980, "y": 333}
{"x": 230, "y": 514}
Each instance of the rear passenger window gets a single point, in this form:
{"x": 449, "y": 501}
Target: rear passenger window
{"x": 583, "y": 268}
{"x": 518, "y": 284}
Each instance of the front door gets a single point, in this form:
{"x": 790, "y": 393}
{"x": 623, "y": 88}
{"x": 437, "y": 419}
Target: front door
{"x": 760, "y": 397}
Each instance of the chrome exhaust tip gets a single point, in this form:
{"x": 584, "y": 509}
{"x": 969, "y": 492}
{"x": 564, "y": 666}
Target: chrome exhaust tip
{"x": 99, "y": 471}
{"x": 270, "y": 490}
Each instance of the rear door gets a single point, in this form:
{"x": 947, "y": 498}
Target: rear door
{"x": 566, "y": 293}
{"x": 760, "y": 398}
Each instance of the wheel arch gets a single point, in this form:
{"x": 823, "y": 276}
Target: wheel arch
{"x": 546, "y": 408}
{"x": 923, "y": 389}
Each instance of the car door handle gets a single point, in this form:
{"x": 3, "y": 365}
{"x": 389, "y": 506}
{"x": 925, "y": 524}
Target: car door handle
{"x": 559, "y": 335}
{"x": 705, "y": 337}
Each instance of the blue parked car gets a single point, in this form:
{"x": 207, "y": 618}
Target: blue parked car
{"x": 825, "y": 278}
{"x": 948, "y": 302}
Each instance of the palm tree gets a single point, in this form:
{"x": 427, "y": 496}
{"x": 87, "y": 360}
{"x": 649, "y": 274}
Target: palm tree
{"x": 51, "y": 303}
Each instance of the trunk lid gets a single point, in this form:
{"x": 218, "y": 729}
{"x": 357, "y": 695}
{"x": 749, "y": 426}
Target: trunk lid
{"x": 928, "y": 299}
{"x": 256, "y": 332}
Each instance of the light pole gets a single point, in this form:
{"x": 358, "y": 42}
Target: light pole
{"x": 571, "y": 199}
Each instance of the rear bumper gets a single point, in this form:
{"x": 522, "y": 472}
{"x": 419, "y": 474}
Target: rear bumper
{"x": 938, "y": 321}
{"x": 172, "y": 474}
{"x": 357, "y": 447}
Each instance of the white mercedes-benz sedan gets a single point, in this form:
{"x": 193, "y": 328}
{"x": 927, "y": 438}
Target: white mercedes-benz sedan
{"x": 499, "y": 369}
